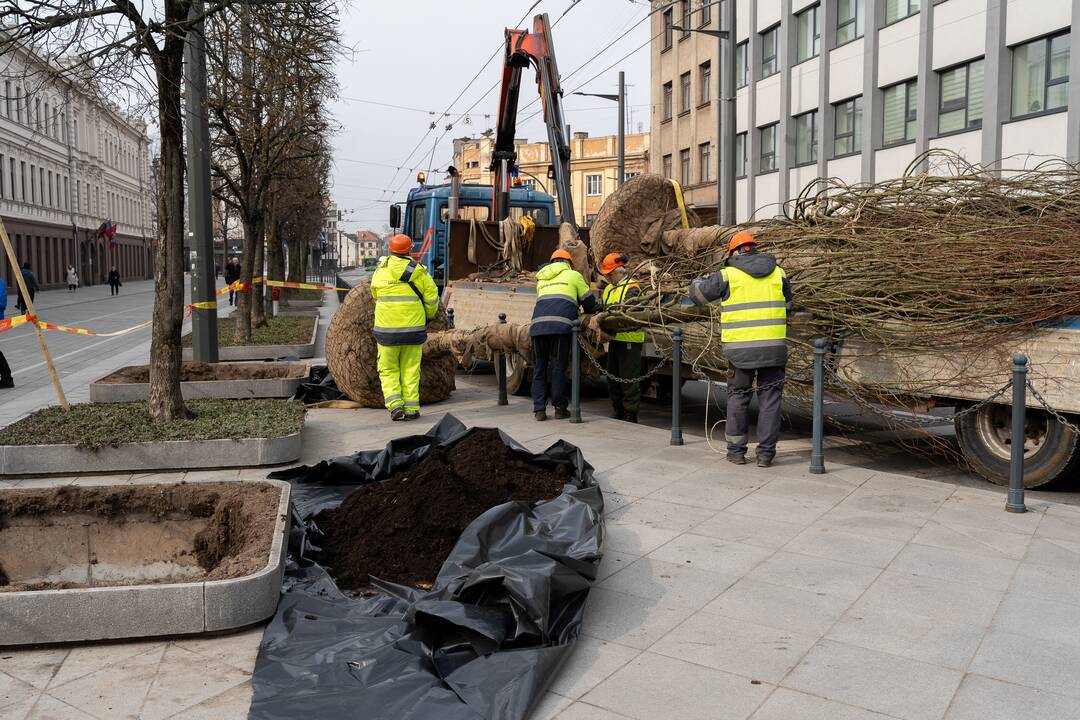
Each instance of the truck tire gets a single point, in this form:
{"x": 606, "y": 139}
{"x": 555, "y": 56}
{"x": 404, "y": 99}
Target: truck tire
{"x": 1051, "y": 452}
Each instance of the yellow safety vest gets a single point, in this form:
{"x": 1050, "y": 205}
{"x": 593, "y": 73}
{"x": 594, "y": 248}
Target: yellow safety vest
{"x": 615, "y": 294}
{"x": 755, "y": 313}
{"x": 401, "y": 314}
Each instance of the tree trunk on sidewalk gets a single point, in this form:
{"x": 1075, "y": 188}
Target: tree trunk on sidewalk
{"x": 275, "y": 257}
{"x": 258, "y": 309}
{"x": 252, "y": 226}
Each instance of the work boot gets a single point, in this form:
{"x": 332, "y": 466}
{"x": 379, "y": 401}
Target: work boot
{"x": 415, "y": 415}
{"x": 764, "y": 461}
{"x": 561, "y": 413}
{"x": 618, "y": 412}
{"x": 631, "y": 417}
{"x": 397, "y": 414}
{"x": 736, "y": 458}
{"x": 540, "y": 415}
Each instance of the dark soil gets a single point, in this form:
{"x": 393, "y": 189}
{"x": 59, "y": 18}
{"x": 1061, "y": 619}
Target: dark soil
{"x": 235, "y": 542}
{"x": 403, "y": 529}
{"x": 92, "y": 426}
{"x": 201, "y": 372}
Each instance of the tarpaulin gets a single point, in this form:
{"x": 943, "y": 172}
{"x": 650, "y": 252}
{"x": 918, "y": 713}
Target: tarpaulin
{"x": 319, "y": 387}
{"x": 486, "y": 640}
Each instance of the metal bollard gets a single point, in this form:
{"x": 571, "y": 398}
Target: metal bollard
{"x": 1015, "y": 503}
{"x": 575, "y": 373}
{"x": 500, "y": 366}
{"x": 676, "y": 387}
{"x": 449, "y": 318}
{"x": 817, "y": 452}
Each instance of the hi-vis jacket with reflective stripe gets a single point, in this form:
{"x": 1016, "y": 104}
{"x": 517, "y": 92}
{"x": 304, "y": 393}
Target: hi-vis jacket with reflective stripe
{"x": 559, "y": 290}
{"x": 400, "y": 314}
{"x": 620, "y": 292}
{"x": 754, "y": 293}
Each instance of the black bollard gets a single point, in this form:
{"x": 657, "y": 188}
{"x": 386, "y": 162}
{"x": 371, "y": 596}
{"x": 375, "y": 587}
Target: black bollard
{"x": 449, "y": 318}
{"x": 676, "y": 387}
{"x": 817, "y": 453}
{"x": 500, "y": 367}
{"x": 1015, "y": 503}
{"x": 575, "y": 373}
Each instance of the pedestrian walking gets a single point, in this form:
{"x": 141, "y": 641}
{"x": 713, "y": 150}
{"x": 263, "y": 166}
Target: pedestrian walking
{"x": 72, "y": 279}
{"x": 406, "y": 298}
{"x": 624, "y": 350}
{"x": 560, "y": 289}
{"x": 30, "y": 280}
{"x": 754, "y": 294}
{"x": 232, "y": 274}
{"x": 114, "y": 281}
{"x": 5, "y": 369}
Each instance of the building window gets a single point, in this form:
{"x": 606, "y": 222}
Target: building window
{"x": 961, "y": 104}
{"x": 742, "y": 67}
{"x": 806, "y": 140}
{"x": 667, "y": 167}
{"x": 18, "y": 104}
{"x": 37, "y": 113}
{"x": 529, "y": 184}
{"x": 1040, "y": 76}
{"x": 849, "y": 21}
{"x": 740, "y": 155}
{"x": 900, "y": 113}
{"x": 809, "y": 33}
{"x": 684, "y": 18}
{"x": 704, "y": 162}
{"x": 769, "y": 55}
{"x": 7, "y": 98}
{"x": 767, "y": 158}
{"x": 667, "y": 101}
{"x": 684, "y": 92}
{"x": 48, "y": 120}
{"x": 705, "y": 81}
{"x": 2, "y": 183}
{"x": 50, "y": 186}
{"x": 628, "y": 175}
{"x": 667, "y": 29}
{"x": 706, "y": 13}
{"x": 847, "y": 138}
{"x": 684, "y": 166}
{"x": 899, "y": 9}
{"x": 594, "y": 184}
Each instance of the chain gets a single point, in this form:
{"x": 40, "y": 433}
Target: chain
{"x": 1046, "y": 406}
{"x": 613, "y": 378}
{"x": 913, "y": 423}
{"x": 740, "y": 391}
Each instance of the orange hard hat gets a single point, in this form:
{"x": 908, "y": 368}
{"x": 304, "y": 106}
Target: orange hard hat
{"x": 561, "y": 254}
{"x": 739, "y": 239}
{"x": 612, "y": 261}
{"x": 401, "y": 245}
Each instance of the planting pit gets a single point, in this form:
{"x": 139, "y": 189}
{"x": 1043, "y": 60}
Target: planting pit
{"x": 205, "y": 380}
{"x": 203, "y": 372}
{"x": 403, "y": 529}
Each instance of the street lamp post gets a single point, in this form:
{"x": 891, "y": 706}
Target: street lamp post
{"x": 621, "y": 99}
{"x": 725, "y": 114}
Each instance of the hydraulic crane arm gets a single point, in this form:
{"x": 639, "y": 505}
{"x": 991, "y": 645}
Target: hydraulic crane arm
{"x": 524, "y": 48}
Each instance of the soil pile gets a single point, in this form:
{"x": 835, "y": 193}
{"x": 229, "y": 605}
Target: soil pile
{"x": 403, "y": 529}
{"x": 201, "y": 372}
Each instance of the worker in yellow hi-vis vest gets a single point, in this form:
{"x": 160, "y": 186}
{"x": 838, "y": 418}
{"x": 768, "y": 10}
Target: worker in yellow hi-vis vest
{"x": 406, "y": 298}
{"x": 754, "y": 295}
{"x": 624, "y": 350}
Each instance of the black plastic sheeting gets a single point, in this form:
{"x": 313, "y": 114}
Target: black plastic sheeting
{"x": 484, "y": 642}
{"x": 318, "y": 387}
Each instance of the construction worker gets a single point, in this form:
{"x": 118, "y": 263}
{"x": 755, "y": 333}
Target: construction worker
{"x": 624, "y": 350}
{"x": 559, "y": 290}
{"x": 406, "y": 298}
{"x": 754, "y": 294}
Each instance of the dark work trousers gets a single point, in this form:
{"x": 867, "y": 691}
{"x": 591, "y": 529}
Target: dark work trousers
{"x": 552, "y": 353}
{"x": 770, "y": 397}
{"x": 624, "y": 361}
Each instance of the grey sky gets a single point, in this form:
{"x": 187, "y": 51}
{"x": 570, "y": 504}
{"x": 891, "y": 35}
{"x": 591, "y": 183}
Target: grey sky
{"x": 422, "y": 53}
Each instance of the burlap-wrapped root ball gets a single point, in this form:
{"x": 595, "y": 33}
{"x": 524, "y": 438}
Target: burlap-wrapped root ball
{"x": 351, "y": 354}
{"x": 634, "y": 218}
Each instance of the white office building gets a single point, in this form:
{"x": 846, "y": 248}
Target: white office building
{"x": 859, "y": 89}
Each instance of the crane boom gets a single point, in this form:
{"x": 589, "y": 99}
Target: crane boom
{"x": 524, "y": 48}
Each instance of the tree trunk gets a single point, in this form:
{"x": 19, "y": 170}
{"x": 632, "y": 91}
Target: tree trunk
{"x": 166, "y": 402}
{"x": 258, "y": 309}
{"x": 252, "y": 226}
{"x": 275, "y": 259}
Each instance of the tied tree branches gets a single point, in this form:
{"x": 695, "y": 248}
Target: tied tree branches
{"x": 270, "y": 69}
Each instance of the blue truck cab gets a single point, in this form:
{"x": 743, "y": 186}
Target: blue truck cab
{"x": 426, "y": 217}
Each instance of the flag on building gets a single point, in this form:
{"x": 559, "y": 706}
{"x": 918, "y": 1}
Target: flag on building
{"x": 107, "y": 229}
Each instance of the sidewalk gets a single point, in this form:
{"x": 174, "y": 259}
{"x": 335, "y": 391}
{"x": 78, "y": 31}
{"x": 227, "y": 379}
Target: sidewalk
{"x": 726, "y": 592}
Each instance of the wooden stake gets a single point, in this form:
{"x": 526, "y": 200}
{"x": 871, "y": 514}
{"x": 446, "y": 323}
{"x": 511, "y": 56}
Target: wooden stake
{"x": 17, "y": 272}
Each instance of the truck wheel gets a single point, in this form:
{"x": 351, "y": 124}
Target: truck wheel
{"x": 1051, "y": 452}
{"x": 518, "y": 376}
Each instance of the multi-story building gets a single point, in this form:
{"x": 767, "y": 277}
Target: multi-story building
{"x": 329, "y": 246}
{"x": 367, "y": 244}
{"x": 859, "y": 89}
{"x": 70, "y": 161}
{"x": 593, "y": 166}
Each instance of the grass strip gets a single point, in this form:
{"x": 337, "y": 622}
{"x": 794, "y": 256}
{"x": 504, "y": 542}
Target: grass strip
{"x": 277, "y": 331}
{"x": 303, "y": 294}
{"x": 92, "y": 426}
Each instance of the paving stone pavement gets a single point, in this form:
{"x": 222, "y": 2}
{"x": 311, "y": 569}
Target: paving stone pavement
{"x": 725, "y": 592}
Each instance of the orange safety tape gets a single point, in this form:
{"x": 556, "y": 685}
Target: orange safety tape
{"x": 14, "y": 322}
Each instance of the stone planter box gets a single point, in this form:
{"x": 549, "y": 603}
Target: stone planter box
{"x": 165, "y": 455}
{"x": 262, "y": 352}
{"x": 131, "y": 611}
{"x": 101, "y": 392}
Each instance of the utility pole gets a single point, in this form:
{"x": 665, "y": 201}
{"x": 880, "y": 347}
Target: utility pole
{"x": 726, "y": 115}
{"x": 622, "y": 129}
{"x": 203, "y": 319}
